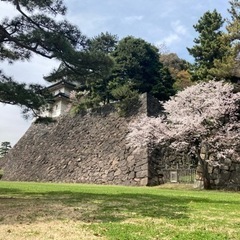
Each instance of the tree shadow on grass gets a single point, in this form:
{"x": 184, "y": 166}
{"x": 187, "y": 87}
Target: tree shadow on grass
{"x": 4, "y": 191}
{"x": 89, "y": 207}
{"x": 92, "y": 207}
{"x": 120, "y": 207}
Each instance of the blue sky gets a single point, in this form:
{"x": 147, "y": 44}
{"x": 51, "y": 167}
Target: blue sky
{"x": 156, "y": 21}
{"x": 160, "y": 22}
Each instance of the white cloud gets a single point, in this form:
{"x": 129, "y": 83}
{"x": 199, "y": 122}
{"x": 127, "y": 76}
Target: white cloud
{"x": 132, "y": 19}
{"x": 172, "y": 38}
{"x": 177, "y": 34}
{"x": 179, "y": 28}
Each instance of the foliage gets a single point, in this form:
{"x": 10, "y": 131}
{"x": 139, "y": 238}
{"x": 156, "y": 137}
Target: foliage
{"x": 105, "y": 42}
{"x": 29, "y": 33}
{"x": 136, "y": 69}
{"x": 174, "y": 63}
{"x": 81, "y": 101}
{"x": 1, "y": 173}
{"x": 216, "y": 52}
{"x": 83, "y": 67}
{"x": 137, "y": 63}
{"x": 45, "y": 120}
{"x": 229, "y": 66}
{"x": 183, "y": 80}
{"x": 5, "y": 147}
{"x": 203, "y": 116}
{"x": 116, "y": 212}
{"x": 208, "y": 45}
{"x": 92, "y": 72}
{"x": 178, "y": 69}
{"x": 30, "y": 98}
{"x": 163, "y": 88}
{"x": 233, "y": 24}
{"x": 36, "y": 31}
{"x": 128, "y": 100}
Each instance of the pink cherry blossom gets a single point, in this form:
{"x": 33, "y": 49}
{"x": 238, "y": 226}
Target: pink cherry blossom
{"x": 203, "y": 115}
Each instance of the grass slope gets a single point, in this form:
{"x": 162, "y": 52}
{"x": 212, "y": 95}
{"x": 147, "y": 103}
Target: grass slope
{"x": 75, "y": 211}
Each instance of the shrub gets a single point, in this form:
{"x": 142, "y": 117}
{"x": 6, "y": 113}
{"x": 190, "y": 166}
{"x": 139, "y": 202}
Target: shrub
{"x": 128, "y": 100}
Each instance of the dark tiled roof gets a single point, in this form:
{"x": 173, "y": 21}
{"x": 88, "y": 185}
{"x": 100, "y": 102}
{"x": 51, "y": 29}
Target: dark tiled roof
{"x": 60, "y": 94}
{"x": 60, "y": 84}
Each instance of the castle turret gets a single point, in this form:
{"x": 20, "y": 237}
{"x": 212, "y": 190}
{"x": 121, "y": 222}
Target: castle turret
{"x": 61, "y": 92}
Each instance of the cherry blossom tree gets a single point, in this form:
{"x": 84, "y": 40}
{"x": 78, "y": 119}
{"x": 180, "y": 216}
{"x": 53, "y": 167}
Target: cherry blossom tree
{"x": 202, "y": 120}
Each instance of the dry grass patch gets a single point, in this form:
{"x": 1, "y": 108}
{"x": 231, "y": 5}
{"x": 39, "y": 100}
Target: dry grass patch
{"x": 57, "y": 230}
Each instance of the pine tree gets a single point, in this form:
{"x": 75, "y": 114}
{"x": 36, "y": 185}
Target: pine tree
{"x": 4, "y": 148}
{"x": 137, "y": 65}
{"x": 36, "y": 31}
{"x": 228, "y": 67}
{"x": 208, "y": 46}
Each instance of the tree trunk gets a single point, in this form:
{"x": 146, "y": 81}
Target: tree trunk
{"x": 206, "y": 177}
{"x": 205, "y": 173}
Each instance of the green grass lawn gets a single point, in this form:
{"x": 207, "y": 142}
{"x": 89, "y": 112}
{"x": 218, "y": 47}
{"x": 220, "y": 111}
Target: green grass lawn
{"x": 77, "y": 211}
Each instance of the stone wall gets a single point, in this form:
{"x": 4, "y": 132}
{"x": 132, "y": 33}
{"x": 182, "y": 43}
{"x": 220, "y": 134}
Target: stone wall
{"x": 89, "y": 148}
{"x": 2, "y": 162}
{"x": 224, "y": 173}
{"x": 92, "y": 148}
{"x": 163, "y": 159}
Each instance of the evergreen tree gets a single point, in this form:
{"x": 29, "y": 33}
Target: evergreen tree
{"x": 228, "y": 67}
{"x": 35, "y": 31}
{"x": 233, "y": 26}
{"x": 90, "y": 68}
{"x": 137, "y": 65}
{"x": 104, "y": 42}
{"x": 208, "y": 46}
{"x": 4, "y": 148}
{"x": 136, "y": 69}
{"x": 233, "y": 29}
